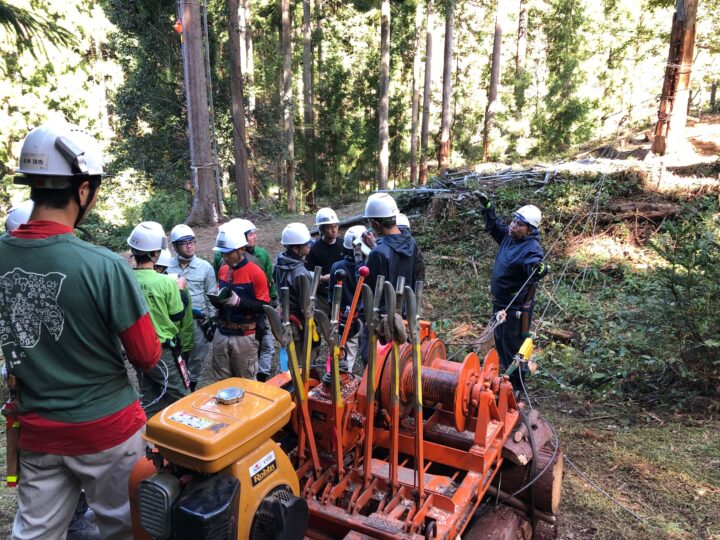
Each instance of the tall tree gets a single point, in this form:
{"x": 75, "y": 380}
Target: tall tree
{"x": 384, "y": 132}
{"x": 415, "y": 97}
{"x": 672, "y": 113}
{"x": 521, "y": 77}
{"x": 444, "y": 147}
{"x": 493, "y": 103}
{"x": 205, "y": 209}
{"x": 427, "y": 91}
{"x": 309, "y": 109}
{"x": 29, "y": 26}
{"x": 242, "y": 173}
{"x": 249, "y": 67}
{"x": 287, "y": 104}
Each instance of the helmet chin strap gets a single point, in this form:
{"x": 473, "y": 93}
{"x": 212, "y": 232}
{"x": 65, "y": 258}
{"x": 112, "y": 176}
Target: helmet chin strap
{"x": 82, "y": 209}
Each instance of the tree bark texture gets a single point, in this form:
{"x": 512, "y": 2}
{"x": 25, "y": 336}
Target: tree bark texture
{"x": 308, "y": 99}
{"x": 242, "y": 172}
{"x": 205, "y": 208}
{"x": 493, "y": 102}
{"x": 520, "y": 55}
{"x": 713, "y": 98}
{"x": 427, "y": 91}
{"x": 287, "y": 105}
{"x": 384, "y": 133}
{"x": 415, "y": 98}
{"x": 444, "y": 148}
{"x": 672, "y": 112}
{"x": 501, "y": 523}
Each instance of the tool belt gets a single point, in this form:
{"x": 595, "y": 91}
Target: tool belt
{"x": 245, "y": 329}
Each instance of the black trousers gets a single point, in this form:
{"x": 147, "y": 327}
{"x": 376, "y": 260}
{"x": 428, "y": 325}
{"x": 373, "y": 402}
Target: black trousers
{"x": 509, "y": 337}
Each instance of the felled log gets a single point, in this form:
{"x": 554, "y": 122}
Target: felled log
{"x": 547, "y": 488}
{"x": 545, "y": 531}
{"x": 522, "y": 431}
{"x": 638, "y": 209}
{"x": 500, "y": 523}
{"x": 520, "y": 452}
{"x": 517, "y": 504}
{"x": 560, "y": 335}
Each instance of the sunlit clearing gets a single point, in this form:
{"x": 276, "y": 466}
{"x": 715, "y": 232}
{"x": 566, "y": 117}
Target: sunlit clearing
{"x": 608, "y": 249}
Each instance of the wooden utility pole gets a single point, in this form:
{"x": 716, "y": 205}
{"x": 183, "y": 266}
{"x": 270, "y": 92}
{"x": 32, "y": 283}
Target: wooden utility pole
{"x": 493, "y": 103}
{"x": 309, "y": 107}
{"x": 444, "y": 148}
{"x": 383, "y": 108}
{"x": 237, "y": 45}
{"x": 287, "y": 105}
{"x": 205, "y": 208}
{"x": 415, "y": 97}
{"x": 672, "y": 113}
{"x": 427, "y": 89}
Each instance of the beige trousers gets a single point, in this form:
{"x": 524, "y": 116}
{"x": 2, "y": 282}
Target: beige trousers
{"x": 50, "y": 485}
{"x": 234, "y": 356}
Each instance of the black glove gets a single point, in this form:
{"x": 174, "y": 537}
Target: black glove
{"x": 484, "y": 201}
{"x": 208, "y": 327}
{"x": 541, "y": 269}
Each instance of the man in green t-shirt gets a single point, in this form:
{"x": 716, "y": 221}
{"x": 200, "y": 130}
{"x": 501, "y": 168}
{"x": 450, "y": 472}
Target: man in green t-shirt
{"x": 66, "y": 307}
{"x": 186, "y": 327}
{"x": 168, "y": 381}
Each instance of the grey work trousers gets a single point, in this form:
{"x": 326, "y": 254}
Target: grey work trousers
{"x": 234, "y": 356}
{"x": 196, "y": 359}
{"x": 50, "y": 485}
{"x": 163, "y": 385}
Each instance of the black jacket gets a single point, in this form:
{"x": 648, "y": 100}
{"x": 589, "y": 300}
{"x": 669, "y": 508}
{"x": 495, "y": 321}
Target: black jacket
{"x": 394, "y": 255}
{"x": 514, "y": 262}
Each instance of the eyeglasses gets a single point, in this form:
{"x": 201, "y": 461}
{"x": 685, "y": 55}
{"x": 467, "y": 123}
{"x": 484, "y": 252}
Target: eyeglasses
{"x": 185, "y": 243}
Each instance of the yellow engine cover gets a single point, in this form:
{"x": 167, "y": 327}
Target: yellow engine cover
{"x": 204, "y": 435}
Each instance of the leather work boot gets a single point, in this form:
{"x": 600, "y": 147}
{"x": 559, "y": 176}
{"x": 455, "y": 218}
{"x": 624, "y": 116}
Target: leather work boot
{"x": 82, "y": 526}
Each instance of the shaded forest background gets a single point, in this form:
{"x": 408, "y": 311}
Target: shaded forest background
{"x": 580, "y": 71}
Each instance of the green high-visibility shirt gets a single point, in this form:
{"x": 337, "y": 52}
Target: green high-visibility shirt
{"x": 163, "y": 300}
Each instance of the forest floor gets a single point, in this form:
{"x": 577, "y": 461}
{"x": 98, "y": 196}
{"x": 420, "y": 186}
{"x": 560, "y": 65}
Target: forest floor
{"x": 632, "y": 470}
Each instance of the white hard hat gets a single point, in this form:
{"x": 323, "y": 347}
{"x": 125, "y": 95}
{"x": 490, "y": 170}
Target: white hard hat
{"x": 58, "y": 149}
{"x": 381, "y": 205}
{"x": 351, "y": 234}
{"x": 181, "y": 232}
{"x": 402, "y": 221}
{"x": 165, "y": 258}
{"x": 245, "y": 224}
{"x": 230, "y": 237}
{"x": 295, "y": 234}
{"x": 147, "y": 236}
{"x": 18, "y": 215}
{"x": 530, "y": 214}
{"x": 326, "y": 216}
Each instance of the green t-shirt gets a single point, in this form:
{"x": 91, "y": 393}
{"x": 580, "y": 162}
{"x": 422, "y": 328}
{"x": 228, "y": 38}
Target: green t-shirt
{"x": 187, "y": 325}
{"x": 163, "y": 300}
{"x": 63, "y": 304}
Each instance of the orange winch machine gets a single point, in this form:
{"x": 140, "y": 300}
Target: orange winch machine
{"x": 407, "y": 451}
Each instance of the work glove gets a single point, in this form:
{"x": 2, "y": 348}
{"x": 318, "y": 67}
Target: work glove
{"x": 392, "y": 329}
{"x": 224, "y": 297}
{"x": 541, "y": 269}
{"x": 484, "y": 201}
{"x": 208, "y": 327}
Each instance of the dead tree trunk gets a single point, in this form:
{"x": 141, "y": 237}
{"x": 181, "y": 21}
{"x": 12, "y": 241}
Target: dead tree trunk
{"x": 493, "y": 103}
{"x": 427, "y": 90}
{"x": 242, "y": 173}
{"x": 444, "y": 148}
{"x": 287, "y": 105}
{"x": 384, "y": 133}
{"x": 520, "y": 54}
{"x": 205, "y": 209}
{"x": 415, "y": 98}
{"x": 309, "y": 164}
{"x": 672, "y": 113}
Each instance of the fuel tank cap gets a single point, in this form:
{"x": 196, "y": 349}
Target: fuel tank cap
{"x": 228, "y": 396}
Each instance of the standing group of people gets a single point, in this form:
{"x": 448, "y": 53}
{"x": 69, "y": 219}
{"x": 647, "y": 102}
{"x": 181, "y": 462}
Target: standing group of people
{"x": 71, "y": 313}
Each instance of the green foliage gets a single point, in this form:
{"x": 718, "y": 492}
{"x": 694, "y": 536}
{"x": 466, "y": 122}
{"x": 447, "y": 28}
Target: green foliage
{"x": 29, "y": 27}
{"x": 692, "y": 276}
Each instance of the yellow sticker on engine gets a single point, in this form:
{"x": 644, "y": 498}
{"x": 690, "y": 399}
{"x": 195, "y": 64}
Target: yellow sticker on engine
{"x": 196, "y": 422}
{"x": 263, "y": 468}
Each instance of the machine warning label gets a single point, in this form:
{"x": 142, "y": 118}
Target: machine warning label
{"x": 263, "y": 468}
{"x": 197, "y": 422}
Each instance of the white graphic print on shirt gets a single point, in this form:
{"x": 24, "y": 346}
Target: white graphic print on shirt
{"x": 28, "y": 301}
